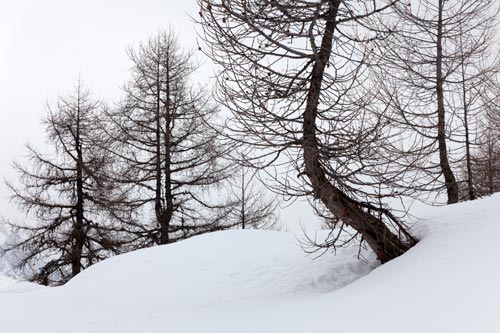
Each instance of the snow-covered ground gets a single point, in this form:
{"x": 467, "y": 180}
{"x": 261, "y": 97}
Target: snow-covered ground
{"x": 257, "y": 281}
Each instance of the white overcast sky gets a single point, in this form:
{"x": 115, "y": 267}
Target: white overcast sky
{"x": 46, "y": 44}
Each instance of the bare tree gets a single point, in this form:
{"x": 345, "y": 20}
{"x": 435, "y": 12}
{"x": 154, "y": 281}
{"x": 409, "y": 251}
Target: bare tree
{"x": 171, "y": 155}
{"x": 66, "y": 194}
{"x": 253, "y": 209}
{"x": 294, "y": 76}
{"x": 434, "y": 68}
{"x": 485, "y": 159}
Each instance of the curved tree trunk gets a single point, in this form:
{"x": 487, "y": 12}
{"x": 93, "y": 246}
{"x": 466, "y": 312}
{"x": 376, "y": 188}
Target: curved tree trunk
{"x": 379, "y": 237}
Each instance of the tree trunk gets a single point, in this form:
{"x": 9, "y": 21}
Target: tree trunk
{"x": 470, "y": 187}
{"x": 490, "y": 166}
{"x": 79, "y": 234}
{"x": 158, "y": 202}
{"x": 383, "y": 242}
{"x": 243, "y": 199}
{"x": 449, "y": 178}
{"x": 169, "y": 200}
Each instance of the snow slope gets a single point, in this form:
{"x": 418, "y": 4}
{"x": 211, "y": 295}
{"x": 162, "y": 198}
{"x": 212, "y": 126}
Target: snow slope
{"x": 256, "y": 281}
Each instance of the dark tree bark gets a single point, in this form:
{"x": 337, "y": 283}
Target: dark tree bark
{"x": 449, "y": 177}
{"x": 383, "y": 242}
{"x": 76, "y": 265}
{"x": 468, "y": 153}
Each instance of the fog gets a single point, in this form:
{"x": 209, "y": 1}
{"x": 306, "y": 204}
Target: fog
{"x": 47, "y": 45}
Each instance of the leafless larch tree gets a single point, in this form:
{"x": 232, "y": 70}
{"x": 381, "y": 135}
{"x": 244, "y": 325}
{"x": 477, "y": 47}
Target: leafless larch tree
{"x": 435, "y": 67}
{"x": 71, "y": 208}
{"x": 484, "y": 162}
{"x": 165, "y": 138}
{"x": 294, "y": 75}
{"x": 254, "y": 208}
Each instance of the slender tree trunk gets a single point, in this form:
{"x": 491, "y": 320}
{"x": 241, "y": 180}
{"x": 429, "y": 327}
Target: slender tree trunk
{"x": 169, "y": 201}
{"x": 243, "y": 203}
{"x": 383, "y": 242}
{"x": 490, "y": 166}
{"x": 79, "y": 234}
{"x": 470, "y": 187}
{"x": 449, "y": 178}
{"x": 158, "y": 175}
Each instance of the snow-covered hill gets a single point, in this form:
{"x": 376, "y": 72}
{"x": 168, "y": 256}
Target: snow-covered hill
{"x": 256, "y": 281}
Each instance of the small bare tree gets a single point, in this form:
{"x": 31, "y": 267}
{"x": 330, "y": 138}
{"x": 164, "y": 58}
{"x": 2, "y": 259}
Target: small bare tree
{"x": 294, "y": 76}
{"x": 253, "y": 209}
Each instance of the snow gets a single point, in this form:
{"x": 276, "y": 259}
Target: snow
{"x": 261, "y": 281}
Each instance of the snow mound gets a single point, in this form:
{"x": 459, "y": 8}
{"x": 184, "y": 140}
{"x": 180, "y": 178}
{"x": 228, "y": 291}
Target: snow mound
{"x": 222, "y": 267}
{"x": 256, "y": 281}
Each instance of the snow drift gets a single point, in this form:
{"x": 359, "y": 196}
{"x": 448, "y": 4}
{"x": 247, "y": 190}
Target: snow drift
{"x": 256, "y": 281}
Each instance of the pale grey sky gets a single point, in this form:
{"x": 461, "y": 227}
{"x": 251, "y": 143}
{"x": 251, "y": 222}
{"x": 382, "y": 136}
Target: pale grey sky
{"x": 47, "y": 44}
